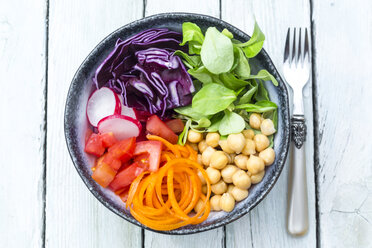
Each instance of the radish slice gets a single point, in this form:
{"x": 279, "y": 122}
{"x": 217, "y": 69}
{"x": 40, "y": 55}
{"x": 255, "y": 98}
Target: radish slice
{"x": 121, "y": 126}
{"x": 102, "y": 103}
{"x": 127, "y": 111}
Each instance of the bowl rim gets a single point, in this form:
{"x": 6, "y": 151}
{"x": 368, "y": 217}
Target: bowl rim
{"x": 284, "y": 144}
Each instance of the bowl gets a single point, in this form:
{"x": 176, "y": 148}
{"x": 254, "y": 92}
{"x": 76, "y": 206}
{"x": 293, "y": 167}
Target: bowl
{"x": 76, "y": 123}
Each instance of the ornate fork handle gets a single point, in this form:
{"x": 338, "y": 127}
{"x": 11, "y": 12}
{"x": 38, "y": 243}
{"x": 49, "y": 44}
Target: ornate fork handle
{"x": 298, "y": 130}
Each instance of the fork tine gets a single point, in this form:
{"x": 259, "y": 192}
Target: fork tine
{"x": 286, "y": 48}
{"x": 306, "y": 47}
{"x": 300, "y": 55}
{"x": 294, "y": 51}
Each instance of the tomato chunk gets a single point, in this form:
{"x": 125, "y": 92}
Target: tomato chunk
{"x": 176, "y": 125}
{"x": 122, "y": 150}
{"x": 155, "y": 126}
{"x": 126, "y": 176}
{"x": 103, "y": 173}
{"x": 108, "y": 139}
{"x": 94, "y": 145}
{"x": 152, "y": 149}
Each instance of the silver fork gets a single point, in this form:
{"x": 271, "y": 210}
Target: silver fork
{"x": 296, "y": 68}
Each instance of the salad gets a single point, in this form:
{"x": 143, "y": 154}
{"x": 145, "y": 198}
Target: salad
{"x": 180, "y": 124}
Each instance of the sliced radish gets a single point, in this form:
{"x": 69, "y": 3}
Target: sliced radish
{"x": 102, "y": 103}
{"x": 121, "y": 126}
{"x": 126, "y": 110}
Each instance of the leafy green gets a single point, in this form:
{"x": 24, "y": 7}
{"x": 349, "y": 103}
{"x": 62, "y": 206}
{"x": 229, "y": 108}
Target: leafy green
{"x": 262, "y": 94}
{"x": 203, "y": 75}
{"x": 242, "y": 70}
{"x": 190, "y": 112}
{"x": 232, "y": 82}
{"x": 212, "y": 98}
{"x": 182, "y": 138}
{"x": 190, "y": 61}
{"x": 247, "y": 96}
{"x": 264, "y": 75}
{"x": 231, "y": 123}
{"x": 192, "y": 34}
{"x": 217, "y": 52}
{"x": 252, "y": 47}
{"x": 258, "y": 107}
{"x": 227, "y": 33}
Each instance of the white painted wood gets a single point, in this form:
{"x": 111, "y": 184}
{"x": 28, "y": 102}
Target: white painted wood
{"x": 265, "y": 226}
{"x": 343, "y": 70}
{"x": 74, "y": 218}
{"x": 22, "y": 83}
{"x": 212, "y": 238}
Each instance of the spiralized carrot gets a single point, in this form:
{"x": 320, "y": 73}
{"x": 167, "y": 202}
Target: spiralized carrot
{"x": 163, "y": 200}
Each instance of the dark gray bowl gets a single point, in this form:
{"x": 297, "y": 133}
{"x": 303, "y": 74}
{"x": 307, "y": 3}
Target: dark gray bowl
{"x": 76, "y": 122}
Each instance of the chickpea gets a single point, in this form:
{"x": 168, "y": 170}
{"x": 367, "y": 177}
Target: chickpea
{"x": 218, "y": 160}
{"x": 194, "y": 137}
{"x": 241, "y": 161}
{"x": 199, "y": 159}
{"x": 228, "y": 172}
{"x": 255, "y": 121}
{"x": 268, "y": 156}
{"x": 248, "y": 134}
{"x": 201, "y": 177}
{"x": 256, "y": 178}
{"x": 230, "y": 157}
{"x": 215, "y": 203}
{"x": 267, "y": 127}
{"x": 230, "y": 188}
{"x": 202, "y": 146}
{"x": 255, "y": 164}
{"x": 193, "y": 146}
{"x": 236, "y": 142}
{"x": 219, "y": 188}
{"x": 199, "y": 205}
{"x": 227, "y": 202}
{"x": 212, "y": 139}
{"x": 261, "y": 141}
{"x": 249, "y": 173}
{"x": 207, "y": 154}
{"x": 249, "y": 148}
{"x": 225, "y": 147}
{"x": 239, "y": 194}
{"x": 241, "y": 180}
{"x": 204, "y": 189}
{"x": 214, "y": 175}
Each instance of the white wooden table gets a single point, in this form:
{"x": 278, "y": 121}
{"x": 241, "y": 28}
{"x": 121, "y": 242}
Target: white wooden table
{"x": 44, "y": 203}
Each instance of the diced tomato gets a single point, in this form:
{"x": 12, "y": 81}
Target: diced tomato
{"x": 126, "y": 176}
{"x": 122, "y": 150}
{"x": 88, "y": 133}
{"x": 143, "y": 160}
{"x": 176, "y": 125}
{"x": 153, "y": 148}
{"x": 108, "y": 139}
{"x": 124, "y": 194}
{"x": 94, "y": 145}
{"x": 103, "y": 173}
{"x": 155, "y": 126}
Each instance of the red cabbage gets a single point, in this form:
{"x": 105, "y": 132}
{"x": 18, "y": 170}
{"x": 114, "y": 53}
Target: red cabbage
{"x": 147, "y": 74}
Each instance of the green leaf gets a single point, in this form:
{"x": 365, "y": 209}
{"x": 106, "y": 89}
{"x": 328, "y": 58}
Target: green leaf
{"x": 204, "y": 76}
{"x": 194, "y": 61}
{"x": 204, "y": 122}
{"x": 214, "y": 127}
{"x": 190, "y": 112}
{"x": 262, "y": 94}
{"x": 264, "y": 75}
{"x": 212, "y": 98}
{"x": 182, "y": 138}
{"x": 217, "y": 52}
{"x": 252, "y": 47}
{"x": 227, "y": 33}
{"x": 231, "y": 82}
{"x": 192, "y": 34}
{"x": 247, "y": 96}
{"x": 243, "y": 70}
{"x": 231, "y": 123}
{"x": 258, "y": 107}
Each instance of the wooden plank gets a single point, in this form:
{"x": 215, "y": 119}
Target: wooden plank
{"x": 22, "y": 101}
{"x": 343, "y": 71}
{"x": 214, "y": 238}
{"x": 265, "y": 226}
{"x": 74, "y": 218}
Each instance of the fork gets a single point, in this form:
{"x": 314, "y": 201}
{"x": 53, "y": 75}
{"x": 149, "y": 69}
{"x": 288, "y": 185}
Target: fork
{"x": 296, "y": 69}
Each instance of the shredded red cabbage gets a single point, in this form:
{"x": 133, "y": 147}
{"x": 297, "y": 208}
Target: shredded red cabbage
{"x": 145, "y": 72}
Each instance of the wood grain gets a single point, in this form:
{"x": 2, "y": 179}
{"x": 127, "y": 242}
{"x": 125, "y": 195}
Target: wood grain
{"x": 265, "y": 226}
{"x": 22, "y": 85}
{"x": 74, "y": 218}
{"x": 343, "y": 35}
{"x": 214, "y": 238}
